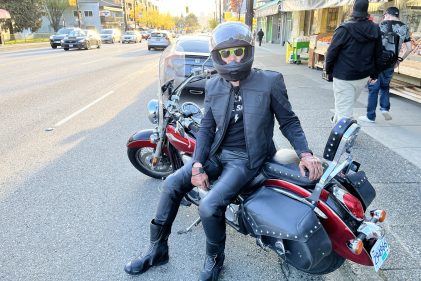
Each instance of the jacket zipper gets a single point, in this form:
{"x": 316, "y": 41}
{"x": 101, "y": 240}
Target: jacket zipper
{"x": 225, "y": 126}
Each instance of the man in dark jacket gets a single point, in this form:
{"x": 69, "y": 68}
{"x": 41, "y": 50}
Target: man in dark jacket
{"x": 260, "y": 35}
{"x": 235, "y": 137}
{"x": 353, "y": 58}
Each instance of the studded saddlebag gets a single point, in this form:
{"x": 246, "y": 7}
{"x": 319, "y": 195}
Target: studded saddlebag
{"x": 268, "y": 213}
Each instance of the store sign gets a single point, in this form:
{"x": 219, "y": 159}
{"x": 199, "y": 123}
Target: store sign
{"x": 105, "y": 13}
{"x": 301, "y": 5}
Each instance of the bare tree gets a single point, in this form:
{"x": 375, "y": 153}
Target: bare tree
{"x": 54, "y": 10}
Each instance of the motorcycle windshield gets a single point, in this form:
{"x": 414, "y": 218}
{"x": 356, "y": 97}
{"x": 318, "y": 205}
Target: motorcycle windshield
{"x": 171, "y": 73}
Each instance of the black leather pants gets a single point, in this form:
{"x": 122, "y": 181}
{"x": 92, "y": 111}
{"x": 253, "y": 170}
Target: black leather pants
{"x": 231, "y": 167}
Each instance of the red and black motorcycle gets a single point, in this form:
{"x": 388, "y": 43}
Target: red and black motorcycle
{"x": 313, "y": 226}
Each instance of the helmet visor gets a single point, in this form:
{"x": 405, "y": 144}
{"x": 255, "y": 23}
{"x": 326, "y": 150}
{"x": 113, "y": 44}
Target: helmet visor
{"x": 231, "y": 35}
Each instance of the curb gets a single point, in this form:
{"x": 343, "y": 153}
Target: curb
{"x": 23, "y": 46}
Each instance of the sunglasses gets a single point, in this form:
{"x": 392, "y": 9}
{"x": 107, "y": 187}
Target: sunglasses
{"x": 225, "y": 53}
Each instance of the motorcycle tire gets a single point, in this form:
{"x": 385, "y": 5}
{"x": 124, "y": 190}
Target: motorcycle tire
{"x": 141, "y": 159}
{"x": 327, "y": 265}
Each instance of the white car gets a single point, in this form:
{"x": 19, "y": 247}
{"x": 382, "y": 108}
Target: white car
{"x": 131, "y": 36}
{"x": 110, "y": 35}
{"x": 159, "y": 40}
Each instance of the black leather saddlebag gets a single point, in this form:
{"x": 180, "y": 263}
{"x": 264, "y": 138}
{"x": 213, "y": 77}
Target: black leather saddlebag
{"x": 271, "y": 214}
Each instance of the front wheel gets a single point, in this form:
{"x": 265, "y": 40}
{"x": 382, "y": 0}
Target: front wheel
{"x": 141, "y": 158}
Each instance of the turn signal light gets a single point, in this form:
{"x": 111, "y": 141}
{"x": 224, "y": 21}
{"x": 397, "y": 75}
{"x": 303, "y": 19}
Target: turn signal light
{"x": 356, "y": 246}
{"x": 379, "y": 215}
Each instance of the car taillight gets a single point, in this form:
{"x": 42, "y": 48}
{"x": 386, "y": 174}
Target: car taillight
{"x": 350, "y": 201}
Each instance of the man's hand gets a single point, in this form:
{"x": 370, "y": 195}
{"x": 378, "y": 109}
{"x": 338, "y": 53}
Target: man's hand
{"x": 372, "y": 81}
{"x": 199, "y": 177}
{"x": 312, "y": 164}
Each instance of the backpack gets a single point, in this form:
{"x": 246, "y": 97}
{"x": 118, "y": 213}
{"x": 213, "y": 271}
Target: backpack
{"x": 390, "y": 42}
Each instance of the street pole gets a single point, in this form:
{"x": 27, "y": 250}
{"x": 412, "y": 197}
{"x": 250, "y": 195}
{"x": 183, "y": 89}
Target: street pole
{"x": 249, "y": 13}
{"x": 78, "y": 12}
{"x": 125, "y": 16}
{"x": 134, "y": 14}
{"x": 220, "y": 11}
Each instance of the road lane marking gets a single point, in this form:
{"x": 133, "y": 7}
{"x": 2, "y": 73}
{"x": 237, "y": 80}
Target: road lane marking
{"x": 82, "y": 109}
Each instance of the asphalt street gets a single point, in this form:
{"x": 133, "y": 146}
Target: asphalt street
{"x": 73, "y": 207}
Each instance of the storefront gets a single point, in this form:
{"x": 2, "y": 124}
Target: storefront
{"x": 275, "y": 24}
{"x": 316, "y": 21}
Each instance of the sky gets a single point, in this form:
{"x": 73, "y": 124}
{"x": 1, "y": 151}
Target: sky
{"x": 177, "y": 7}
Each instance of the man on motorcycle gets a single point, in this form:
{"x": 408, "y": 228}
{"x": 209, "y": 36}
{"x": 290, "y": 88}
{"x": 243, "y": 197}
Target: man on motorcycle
{"x": 234, "y": 141}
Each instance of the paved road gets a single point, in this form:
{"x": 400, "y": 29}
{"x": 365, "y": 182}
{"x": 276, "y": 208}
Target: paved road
{"x": 73, "y": 208}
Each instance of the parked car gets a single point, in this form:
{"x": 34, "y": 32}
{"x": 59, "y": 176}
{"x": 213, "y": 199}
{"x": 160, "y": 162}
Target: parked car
{"x": 110, "y": 35}
{"x": 55, "y": 40}
{"x": 159, "y": 40}
{"x": 194, "y": 51}
{"x": 81, "y": 39}
{"x": 131, "y": 36}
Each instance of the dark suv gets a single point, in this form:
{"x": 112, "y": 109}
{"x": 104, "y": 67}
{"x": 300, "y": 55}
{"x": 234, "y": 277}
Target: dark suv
{"x": 55, "y": 40}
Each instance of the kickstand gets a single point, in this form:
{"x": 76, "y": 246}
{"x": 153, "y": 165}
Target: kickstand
{"x": 285, "y": 268}
{"x": 188, "y": 229}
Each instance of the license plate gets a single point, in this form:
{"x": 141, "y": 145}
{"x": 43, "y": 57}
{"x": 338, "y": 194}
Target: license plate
{"x": 57, "y": 41}
{"x": 379, "y": 253}
{"x": 70, "y": 45}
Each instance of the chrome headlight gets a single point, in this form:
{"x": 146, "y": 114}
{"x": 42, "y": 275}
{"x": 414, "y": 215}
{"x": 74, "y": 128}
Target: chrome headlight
{"x": 81, "y": 41}
{"x": 51, "y": 37}
{"x": 153, "y": 111}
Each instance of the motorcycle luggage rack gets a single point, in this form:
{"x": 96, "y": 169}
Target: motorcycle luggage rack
{"x": 335, "y": 166}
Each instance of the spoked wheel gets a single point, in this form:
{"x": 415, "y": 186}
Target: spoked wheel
{"x": 141, "y": 158}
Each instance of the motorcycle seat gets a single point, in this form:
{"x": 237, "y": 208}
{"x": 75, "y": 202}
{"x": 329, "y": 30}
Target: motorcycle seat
{"x": 284, "y": 166}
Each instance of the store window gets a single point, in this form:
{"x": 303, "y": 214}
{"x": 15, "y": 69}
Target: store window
{"x": 332, "y": 19}
{"x": 88, "y": 14}
{"x": 75, "y": 13}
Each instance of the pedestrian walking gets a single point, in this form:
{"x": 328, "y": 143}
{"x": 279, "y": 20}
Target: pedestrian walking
{"x": 394, "y": 34}
{"x": 260, "y": 35}
{"x": 353, "y": 58}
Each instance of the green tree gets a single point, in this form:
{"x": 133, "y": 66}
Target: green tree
{"x": 212, "y": 23}
{"x": 25, "y": 14}
{"x": 54, "y": 10}
{"x": 191, "y": 23}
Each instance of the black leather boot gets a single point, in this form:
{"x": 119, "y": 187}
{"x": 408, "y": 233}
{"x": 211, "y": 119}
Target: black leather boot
{"x": 213, "y": 262}
{"x": 156, "y": 254}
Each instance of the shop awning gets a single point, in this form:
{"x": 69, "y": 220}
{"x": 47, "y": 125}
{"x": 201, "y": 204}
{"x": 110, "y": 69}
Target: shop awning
{"x": 302, "y": 5}
{"x": 268, "y": 9}
{"x": 4, "y": 14}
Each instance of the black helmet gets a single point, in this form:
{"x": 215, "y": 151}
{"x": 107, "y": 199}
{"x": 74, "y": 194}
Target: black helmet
{"x": 230, "y": 35}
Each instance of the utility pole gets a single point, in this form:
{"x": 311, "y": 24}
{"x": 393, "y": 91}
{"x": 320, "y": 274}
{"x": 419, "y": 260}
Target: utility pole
{"x": 134, "y": 14}
{"x": 125, "y": 15}
{"x": 78, "y": 13}
{"x": 220, "y": 10}
{"x": 249, "y": 13}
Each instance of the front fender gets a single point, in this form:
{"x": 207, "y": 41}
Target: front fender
{"x": 141, "y": 139}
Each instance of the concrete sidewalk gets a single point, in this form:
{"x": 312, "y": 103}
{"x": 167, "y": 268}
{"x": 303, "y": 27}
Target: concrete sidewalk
{"x": 402, "y": 134}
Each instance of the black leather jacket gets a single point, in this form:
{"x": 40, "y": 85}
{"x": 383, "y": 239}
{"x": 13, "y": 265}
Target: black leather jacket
{"x": 264, "y": 96}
